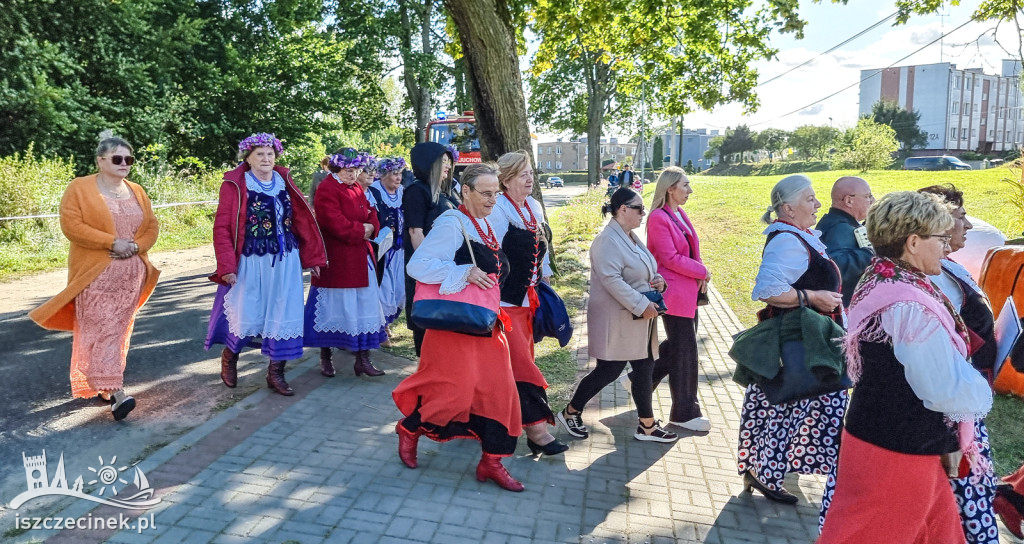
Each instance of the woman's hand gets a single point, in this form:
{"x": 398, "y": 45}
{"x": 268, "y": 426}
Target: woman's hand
{"x": 367, "y": 231}
{"x": 479, "y": 278}
{"x": 315, "y": 271}
{"x": 229, "y": 279}
{"x": 122, "y": 249}
{"x": 658, "y": 284}
{"x": 708, "y": 278}
{"x": 824, "y": 301}
{"x": 651, "y": 312}
{"x": 703, "y": 287}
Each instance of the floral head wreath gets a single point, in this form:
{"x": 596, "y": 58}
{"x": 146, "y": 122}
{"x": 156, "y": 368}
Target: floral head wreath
{"x": 386, "y": 166}
{"x": 349, "y": 158}
{"x": 370, "y": 164}
{"x": 454, "y": 151}
{"x": 260, "y": 139}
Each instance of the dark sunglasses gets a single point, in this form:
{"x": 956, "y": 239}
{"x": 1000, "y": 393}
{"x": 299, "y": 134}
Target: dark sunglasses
{"x": 118, "y": 159}
{"x": 637, "y": 207}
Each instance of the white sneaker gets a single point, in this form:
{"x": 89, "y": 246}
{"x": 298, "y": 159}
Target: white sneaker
{"x": 698, "y": 424}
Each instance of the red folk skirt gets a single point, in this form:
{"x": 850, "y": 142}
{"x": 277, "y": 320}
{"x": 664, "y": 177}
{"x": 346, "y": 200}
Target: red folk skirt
{"x": 464, "y": 388}
{"x": 891, "y": 497}
{"x": 529, "y": 380}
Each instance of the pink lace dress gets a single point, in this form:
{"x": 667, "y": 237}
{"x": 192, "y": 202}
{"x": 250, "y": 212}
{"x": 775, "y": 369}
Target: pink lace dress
{"x": 105, "y": 313}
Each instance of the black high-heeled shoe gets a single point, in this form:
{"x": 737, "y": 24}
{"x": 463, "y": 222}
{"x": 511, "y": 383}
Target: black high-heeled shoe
{"x": 551, "y": 448}
{"x": 782, "y": 496}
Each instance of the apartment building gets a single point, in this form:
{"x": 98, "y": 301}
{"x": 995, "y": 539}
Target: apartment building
{"x": 961, "y": 109}
{"x": 571, "y": 155}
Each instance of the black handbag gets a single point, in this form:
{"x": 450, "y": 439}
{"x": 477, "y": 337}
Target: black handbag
{"x": 658, "y": 299}
{"x": 795, "y": 381}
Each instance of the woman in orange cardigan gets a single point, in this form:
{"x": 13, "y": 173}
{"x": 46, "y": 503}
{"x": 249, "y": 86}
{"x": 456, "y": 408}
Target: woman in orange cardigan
{"x": 110, "y": 223}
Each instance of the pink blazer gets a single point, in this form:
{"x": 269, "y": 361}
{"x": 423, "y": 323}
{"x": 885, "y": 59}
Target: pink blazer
{"x": 671, "y": 249}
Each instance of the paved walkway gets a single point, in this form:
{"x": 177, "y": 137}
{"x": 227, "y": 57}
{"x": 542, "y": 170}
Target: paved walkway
{"x": 322, "y": 467}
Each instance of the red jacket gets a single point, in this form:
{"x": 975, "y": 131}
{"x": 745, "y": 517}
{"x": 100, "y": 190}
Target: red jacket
{"x": 229, "y": 231}
{"x": 341, "y": 211}
{"x": 671, "y": 249}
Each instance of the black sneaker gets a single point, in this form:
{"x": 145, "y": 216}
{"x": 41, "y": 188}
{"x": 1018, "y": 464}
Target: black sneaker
{"x": 121, "y": 405}
{"x": 573, "y": 424}
{"x": 657, "y": 435}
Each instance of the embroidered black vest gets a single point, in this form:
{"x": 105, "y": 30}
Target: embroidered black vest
{"x": 261, "y": 225}
{"x": 485, "y": 260}
{"x": 525, "y": 251}
{"x": 821, "y": 275}
{"x": 884, "y": 410}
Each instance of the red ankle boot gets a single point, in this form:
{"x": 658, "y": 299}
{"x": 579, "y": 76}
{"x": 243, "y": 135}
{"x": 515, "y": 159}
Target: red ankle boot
{"x": 229, "y": 367}
{"x": 490, "y": 468}
{"x": 407, "y": 442}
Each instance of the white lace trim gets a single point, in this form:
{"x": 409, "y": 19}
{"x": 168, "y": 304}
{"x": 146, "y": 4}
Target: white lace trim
{"x": 386, "y": 198}
{"x": 814, "y": 238}
{"x": 769, "y": 291}
{"x": 457, "y": 280}
{"x": 280, "y": 289}
{"x": 354, "y": 311}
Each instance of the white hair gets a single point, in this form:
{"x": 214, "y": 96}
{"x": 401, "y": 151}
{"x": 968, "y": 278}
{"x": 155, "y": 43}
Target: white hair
{"x": 786, "y": 191}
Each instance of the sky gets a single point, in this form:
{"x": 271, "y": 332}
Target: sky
{"x": 828, "y": 25}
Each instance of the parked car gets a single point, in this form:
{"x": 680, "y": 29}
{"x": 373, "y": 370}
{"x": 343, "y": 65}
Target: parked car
{"x": 944, "y": 162}
{"x": 555, "y": 181}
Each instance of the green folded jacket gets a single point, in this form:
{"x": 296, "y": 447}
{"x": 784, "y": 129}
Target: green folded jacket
{"x": 758, "y": 350}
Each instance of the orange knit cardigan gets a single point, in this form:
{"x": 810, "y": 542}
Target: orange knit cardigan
{"x": 86, "y": 221}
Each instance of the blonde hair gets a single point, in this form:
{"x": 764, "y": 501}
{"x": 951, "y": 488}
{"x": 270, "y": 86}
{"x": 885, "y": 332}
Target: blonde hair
{"x": 512, "y": 164}
{"x": 666, "y": 180}
{"x": 787, "y": 190}
{"x": 898, "y": 215}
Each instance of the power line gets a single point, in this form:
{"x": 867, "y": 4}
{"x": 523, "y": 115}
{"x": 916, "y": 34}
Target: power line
{"x": 831, "y": 49}
{"x": 869, "y": 76}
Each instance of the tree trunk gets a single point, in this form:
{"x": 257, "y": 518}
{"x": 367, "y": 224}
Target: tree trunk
{"x": 419, "y": 95}
{"x": 493, "y": 80}
{"x": 597, "y": 94}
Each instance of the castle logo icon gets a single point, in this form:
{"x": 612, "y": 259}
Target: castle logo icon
{"x": 107, "y": 476}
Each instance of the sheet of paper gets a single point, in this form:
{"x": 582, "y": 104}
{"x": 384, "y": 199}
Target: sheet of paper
{"x": 1007, "y": 332}
{"x": 384, "y": 240}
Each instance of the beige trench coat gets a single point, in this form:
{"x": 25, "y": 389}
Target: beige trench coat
{"x": 621, "y": 268}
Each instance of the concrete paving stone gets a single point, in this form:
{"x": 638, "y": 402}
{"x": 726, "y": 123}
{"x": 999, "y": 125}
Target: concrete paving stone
{"x": 512, "y": 524}
{"x": 474, "y": 532}
{"x": 225, "y": 538}
{"x": 361, "y": 526}
{"x": 291, "y": 537}
{"x": 131, "y": 537}
{"x": 340, "y": 535}
{"x": 734, "y": 535}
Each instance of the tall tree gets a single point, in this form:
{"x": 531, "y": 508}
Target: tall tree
{"x": 658, "y": 153}
{"x": 871, "y": 145}
{"x": 737, "y": 142}
{"x": 813, "y": 141}
{"x": 772, "y": 140}
{"x": 675, "y": 55}
{"x": 904, "y": 122}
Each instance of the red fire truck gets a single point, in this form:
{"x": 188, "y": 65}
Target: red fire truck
{"x": 458, "y": 131}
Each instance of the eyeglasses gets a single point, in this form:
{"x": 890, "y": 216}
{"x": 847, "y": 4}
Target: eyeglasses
{"x": 488, "y": 195}
{"x": 637, "y": 207}
{"x": 868, "y": 196}
{"x": 118, "y": 159}
{"x": 945, "y": 238}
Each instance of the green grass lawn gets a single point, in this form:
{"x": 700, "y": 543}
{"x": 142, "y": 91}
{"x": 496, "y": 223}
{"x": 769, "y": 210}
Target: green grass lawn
{"x": 726, "y": 212}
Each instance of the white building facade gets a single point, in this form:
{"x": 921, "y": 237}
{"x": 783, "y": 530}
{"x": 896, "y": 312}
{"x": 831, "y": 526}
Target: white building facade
{"x": 961, "y": 110}
{"x": 571, "y": 155}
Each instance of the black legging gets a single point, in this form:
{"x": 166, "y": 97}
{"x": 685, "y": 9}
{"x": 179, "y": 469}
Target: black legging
{"x": 677, "y": 359}
{"x": 606, "y": 372}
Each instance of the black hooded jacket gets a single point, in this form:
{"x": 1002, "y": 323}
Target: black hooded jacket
{"x": 418, "y": 207}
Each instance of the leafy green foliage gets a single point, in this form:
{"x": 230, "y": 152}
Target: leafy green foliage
{"x": 812, "y": 141}
{"x": 658, "y": 153}
{"x": 737, "y": 141}
{"x": 195, "y": 77}
{"x": 869, "y": 146}
{"x": 904, "y": 122}
{"x": 772, "y": 140}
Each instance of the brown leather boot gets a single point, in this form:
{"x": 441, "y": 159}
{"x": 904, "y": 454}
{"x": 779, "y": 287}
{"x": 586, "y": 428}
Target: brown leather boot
{"x": 407, "y": 442}
{"x": 326, "y": 366}
{"x": 229, "y": 367}
{"x": 365, "y": 366}
{"x": 275, "y": 379}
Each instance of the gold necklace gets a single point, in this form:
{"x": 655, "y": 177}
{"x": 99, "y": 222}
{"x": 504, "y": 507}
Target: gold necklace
{"x": 118, "y": 194}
